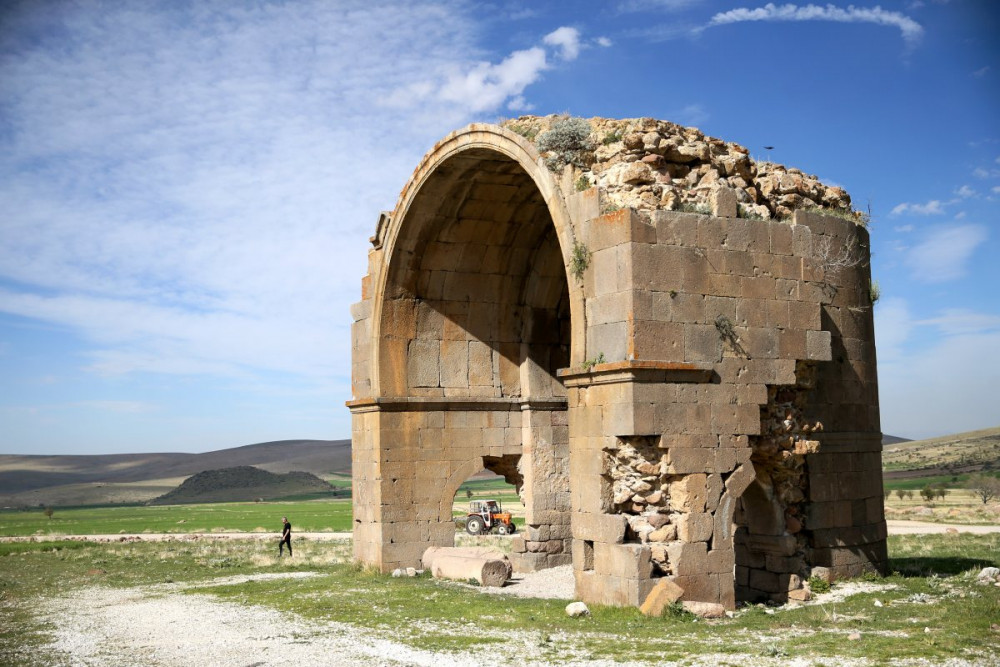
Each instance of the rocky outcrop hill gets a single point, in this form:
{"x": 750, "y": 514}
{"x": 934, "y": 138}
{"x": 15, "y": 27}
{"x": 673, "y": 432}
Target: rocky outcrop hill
{"x": 242, "y": 484}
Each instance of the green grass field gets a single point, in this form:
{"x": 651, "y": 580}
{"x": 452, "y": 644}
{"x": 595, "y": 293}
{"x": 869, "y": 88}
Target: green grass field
{"x": 305, "y": 516}
{"x": 929, "y": 609}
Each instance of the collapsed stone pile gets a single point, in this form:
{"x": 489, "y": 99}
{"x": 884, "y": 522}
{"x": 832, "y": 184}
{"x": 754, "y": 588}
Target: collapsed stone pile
{"x": 779, "y": 452}
{"x": 640, "y": 490}
{"x": 649, "y": 164}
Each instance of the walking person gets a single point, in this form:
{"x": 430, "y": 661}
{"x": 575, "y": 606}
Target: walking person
{"x": 286, "y": 537}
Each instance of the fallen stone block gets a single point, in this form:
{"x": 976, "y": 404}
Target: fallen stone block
{"x": 704, "y": 609}
{"x": 492, "y": 572}
{"x": 664, "y": 594}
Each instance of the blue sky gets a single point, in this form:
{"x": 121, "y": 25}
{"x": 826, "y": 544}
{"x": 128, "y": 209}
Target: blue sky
{"x": 187, "y": 188}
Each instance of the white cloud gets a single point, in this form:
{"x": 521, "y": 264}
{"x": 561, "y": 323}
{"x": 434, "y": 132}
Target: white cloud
{"x": 965, "y": 192}
{"x": 944, "y": 254}
{"x": 981, "y": 72}
{"x": 995, "y": 189}
{"x": 488, "y": 86}
{"x": 911, "y": 31}
{"x": 962, "y": 321}
{"x": 190, "y": 188}
{"x": 933, "y": 207}
{"x": 485, "y": 86}
{"x": 903, "y": 229}
{"x": 627, "y": 6}
{"x": 567, "y": 40}
{"x": 604, "y": 41}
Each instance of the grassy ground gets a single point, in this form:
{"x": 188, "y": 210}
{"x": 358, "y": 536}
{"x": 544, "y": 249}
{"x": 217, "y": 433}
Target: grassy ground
{"x": 930, "y": 607}
{"x": 960, "y": 506}
{"x": 306, "y": 516}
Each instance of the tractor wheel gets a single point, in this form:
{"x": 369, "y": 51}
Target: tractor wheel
{"x": 474, "y": 525}
{"x": 503, "y": 529}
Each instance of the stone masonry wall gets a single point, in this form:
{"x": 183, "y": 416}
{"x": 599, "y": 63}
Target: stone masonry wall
{"x": 677, "y": 351}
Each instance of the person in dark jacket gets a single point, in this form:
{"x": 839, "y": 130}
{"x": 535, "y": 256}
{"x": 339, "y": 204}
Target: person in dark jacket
{"x": 286, "y": 537}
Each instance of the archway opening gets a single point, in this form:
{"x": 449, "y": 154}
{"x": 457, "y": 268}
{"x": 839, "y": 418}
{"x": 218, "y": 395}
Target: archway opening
{"x": 475, "y": 323}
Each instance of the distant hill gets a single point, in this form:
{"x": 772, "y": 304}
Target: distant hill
{"x": 242, "y": 484}
{"x": 87, "y": 480}
{"x": 960, "y": 453}
{"x": 893, "y": 439}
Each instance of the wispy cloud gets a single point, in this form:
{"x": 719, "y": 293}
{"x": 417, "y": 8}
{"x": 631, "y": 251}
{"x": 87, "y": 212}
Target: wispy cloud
{"x": 482, "y": 86}
{"x": 933, "y": 207}
{"x": 911, "y": 31}
{"x": 628, "y": 6}
{"x": 190, "y": 188}
{"x": 965, "y": 192}
{"x": 945, "y": 253}
{"x": 567, "y": 40}
{"x": 981, "y": 72}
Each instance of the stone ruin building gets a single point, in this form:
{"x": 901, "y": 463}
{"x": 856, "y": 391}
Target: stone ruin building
{"x": 666, "y": 346}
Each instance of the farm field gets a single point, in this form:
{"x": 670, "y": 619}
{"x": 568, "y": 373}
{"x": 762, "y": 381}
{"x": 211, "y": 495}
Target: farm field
{"x": 931, "y": 608}
{"x": 306, "y": 516}
{"x": 959, "y": 506}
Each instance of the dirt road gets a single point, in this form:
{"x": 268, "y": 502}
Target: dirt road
{"x": 895, "y": 528}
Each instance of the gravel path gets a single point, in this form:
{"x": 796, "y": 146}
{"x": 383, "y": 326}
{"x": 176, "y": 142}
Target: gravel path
{"x": 160, "y": 625}
{"x": 124, "y": 627}
{"x": 927, "y": 527}
{"x": 895, "y": 527}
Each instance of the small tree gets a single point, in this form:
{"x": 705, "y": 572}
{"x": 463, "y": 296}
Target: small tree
{"x": 941, "y": 492}
{"x": 886, "y": 493}
{"x": 468, "y": 493}
{"x": 48, "y": 512}
{"x": 986, "y": 487}
{"x": 908, "y": 494}
{"x": 900, "y": 494}
{"x": 928, "y": 493}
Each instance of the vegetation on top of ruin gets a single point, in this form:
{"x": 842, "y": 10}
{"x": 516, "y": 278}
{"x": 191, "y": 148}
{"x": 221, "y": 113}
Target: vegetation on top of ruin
{"x": 649, "y": 164}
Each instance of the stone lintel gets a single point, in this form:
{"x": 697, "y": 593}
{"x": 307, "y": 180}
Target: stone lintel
{"x": 636, "y": 371}
{"x": 435, "y": 404}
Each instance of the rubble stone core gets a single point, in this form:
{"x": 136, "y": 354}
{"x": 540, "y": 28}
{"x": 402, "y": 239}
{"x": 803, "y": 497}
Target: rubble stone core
{"x": 689, "y": 396}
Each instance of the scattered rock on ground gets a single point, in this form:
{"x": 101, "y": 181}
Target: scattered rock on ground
{"x": 704, "y": 609}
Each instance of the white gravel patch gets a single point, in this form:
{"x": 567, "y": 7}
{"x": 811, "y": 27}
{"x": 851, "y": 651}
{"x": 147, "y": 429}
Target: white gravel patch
{"x": 127, "y": 627}
{"x": 556, "y": 583}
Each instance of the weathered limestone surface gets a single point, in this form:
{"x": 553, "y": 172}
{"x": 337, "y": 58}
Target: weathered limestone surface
{"x": 665, "y": 346}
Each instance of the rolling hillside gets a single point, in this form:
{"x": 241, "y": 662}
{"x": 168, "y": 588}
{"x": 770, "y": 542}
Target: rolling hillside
{"x": 83, "y": 480}
{"x": 956, "y": 454}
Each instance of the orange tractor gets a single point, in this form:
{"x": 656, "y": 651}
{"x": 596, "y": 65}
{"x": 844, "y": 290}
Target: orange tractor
{"x": 486, "y": 515}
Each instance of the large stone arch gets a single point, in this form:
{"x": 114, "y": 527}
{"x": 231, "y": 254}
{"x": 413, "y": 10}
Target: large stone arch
{"x": 681, "y": 396}
{"x": 472, "y": 316}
